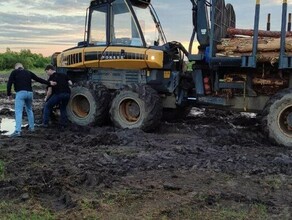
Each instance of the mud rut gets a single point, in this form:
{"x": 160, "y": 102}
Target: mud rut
{"x": 221, "y": 154}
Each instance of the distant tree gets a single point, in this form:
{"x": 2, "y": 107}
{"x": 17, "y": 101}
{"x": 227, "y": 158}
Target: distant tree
{"x": 25, "y": 56}
{"x": 10, "y": 58}
{"x": 2, "y": 61}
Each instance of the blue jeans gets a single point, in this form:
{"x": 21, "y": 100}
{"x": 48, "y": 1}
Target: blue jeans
{"x": 62, "y": 99}
{"x": 23, "y": 99}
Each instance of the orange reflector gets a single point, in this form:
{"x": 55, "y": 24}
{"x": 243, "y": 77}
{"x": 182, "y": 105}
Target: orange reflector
{"x": 166, "y": 74}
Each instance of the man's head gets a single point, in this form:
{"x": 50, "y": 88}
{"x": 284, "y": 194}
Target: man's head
{"x": 18, "y": 66}
{"x": 50, "y": 69}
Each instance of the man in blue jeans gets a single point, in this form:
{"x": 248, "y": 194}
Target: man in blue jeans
{"x": 21, "y": 79}
{"x": 59, "y": 95}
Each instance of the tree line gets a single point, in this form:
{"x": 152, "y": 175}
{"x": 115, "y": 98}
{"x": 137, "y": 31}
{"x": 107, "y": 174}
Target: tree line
{"x": 25, "y": 56}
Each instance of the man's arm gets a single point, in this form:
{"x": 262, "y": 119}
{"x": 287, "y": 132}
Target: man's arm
{"x": 49, "y": 93}
{"x": 69, "y": 80}
{"x": 10, "y": 82}
{"x": 38, "y": 79}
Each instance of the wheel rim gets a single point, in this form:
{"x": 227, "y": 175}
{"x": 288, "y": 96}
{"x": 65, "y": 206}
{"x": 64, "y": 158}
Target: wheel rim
{"x": 80, "y": 106}
{"x": 129, "y": 110}
{"x": 285, "y": 121}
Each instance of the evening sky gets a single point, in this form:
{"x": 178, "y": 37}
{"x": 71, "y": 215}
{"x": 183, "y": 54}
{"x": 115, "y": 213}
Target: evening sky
{"x": 49, "y": 26}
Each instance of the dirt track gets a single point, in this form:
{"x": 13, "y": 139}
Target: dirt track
{"x": 215, "y": 165}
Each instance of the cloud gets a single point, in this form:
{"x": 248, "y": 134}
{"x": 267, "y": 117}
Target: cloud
{"x": 40, "y": 29}
{"x": 54, "y": 7}
{"x": 60, "y": 23}
{"x": 41, "y": 24}
{"x": 175, "y": 18}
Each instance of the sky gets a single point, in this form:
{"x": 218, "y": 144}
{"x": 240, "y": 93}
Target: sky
{"x": 49, "y": 26}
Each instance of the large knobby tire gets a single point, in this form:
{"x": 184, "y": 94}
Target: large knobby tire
{"x": 231, "y": 17}
{"x": 220, "y": 28}
{"x": 89, "y": 104}
{"x": 136, "y": 106}
{"x": 277, "y": 118}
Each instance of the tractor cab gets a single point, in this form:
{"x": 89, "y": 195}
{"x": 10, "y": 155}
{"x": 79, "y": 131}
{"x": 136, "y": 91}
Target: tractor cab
{"x": 122, "y": 23}
{"x": 119, "y": 34}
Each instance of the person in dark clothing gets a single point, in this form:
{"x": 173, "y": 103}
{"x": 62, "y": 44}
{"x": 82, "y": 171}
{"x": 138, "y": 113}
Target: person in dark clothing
{"x": 22, "y": 79}
{"x": 53, "y": 117}
{"x": 57, "y": 95}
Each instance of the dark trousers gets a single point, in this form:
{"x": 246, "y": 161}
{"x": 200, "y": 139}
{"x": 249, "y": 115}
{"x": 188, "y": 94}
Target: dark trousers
{"x": 62, "y": 100}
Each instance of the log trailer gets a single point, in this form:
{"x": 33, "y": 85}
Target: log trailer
{"x": 126, "y": 71}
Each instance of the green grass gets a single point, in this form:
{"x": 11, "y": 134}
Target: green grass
{"x": 118, "y": 205}
{"x": 38, "y": 71}
{"x": 274, "y": 182}
{"x": 10, "y": 211}
{"x": 5, "y": 74}
{"x": 2, "y": 169}
{"x": 2, "y": 87}
{"x": 255, "y": 211}
{"x": 136, "y": 204}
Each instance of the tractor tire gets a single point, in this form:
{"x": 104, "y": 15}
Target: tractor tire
{"x": 220, "y": 28}
{"x": 231, "y": 18}
{"x": 277, "y": 118}
{"x": 88, "y": 104}
{"x": 136, "y": 106}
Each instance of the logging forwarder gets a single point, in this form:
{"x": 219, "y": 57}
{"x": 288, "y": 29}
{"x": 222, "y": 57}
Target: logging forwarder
{"x": 126, "y": 71}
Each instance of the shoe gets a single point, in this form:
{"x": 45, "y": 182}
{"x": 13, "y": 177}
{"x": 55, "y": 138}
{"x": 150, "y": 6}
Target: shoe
{"x": 15, "y": 134}
{"x": 42, "y": 125}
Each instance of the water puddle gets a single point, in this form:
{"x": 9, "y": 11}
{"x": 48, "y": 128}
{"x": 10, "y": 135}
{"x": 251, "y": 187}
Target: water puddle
{"x": 7, "y": 126}
{"x": 248, "y": 114}
{"x": 197, "y": 111}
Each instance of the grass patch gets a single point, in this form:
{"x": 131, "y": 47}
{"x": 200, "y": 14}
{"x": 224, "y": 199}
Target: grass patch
{"x": 109, "y": 205}
{"x": 2, "y": 87}
{"x": 4, "y": 74}
{"x": 2, "y": 169}
{"x": 89, "y": 209}
{"x": 121, "y": 198}
{"x": 38, "y": 71}
{"x": 9, "y": 211}
{"x": 273, "y": 182}
{"x": 255, "y": 212}
{"x": 129, "y": 204}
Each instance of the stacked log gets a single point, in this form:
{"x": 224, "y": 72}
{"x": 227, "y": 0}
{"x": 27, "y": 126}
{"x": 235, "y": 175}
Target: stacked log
{"x": 268, "y": 45}
{"x": 261, "y": 33}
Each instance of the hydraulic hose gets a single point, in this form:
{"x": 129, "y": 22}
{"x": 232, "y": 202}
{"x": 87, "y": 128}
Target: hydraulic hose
{"x": 194, "y": 13}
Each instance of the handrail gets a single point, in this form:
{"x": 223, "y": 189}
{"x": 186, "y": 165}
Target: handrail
{"x": 282, "y": 57}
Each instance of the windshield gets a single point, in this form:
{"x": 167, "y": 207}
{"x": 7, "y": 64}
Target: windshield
{"x": 149, "y": 28}
{"x": 122, "y": 28}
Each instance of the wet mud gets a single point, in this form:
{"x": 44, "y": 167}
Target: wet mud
{"x": 206, "y": 161}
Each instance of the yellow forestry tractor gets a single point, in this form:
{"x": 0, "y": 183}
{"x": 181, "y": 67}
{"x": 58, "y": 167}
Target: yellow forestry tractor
{"x": 126, "y": 71}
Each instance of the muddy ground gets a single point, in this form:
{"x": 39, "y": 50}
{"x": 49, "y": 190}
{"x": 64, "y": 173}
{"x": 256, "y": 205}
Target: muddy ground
{"x": 212, "y": 165}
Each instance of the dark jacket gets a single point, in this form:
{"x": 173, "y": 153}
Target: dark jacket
{"x": 21, "y": 79}
{"x": 62, "y": 83}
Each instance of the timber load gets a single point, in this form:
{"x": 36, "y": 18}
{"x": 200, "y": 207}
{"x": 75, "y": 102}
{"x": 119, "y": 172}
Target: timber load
{"x": 240, "y": 43}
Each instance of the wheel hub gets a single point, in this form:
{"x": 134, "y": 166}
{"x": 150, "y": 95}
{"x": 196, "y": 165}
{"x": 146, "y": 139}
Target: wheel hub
{"x": 80, "y": 106}
{"x": 289, "y": 119}
{"x": 285, "y": 121}
{"x": 130, "y": 110}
